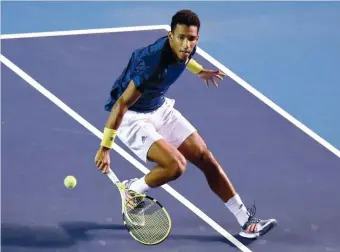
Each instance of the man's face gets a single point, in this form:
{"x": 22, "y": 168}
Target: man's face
{"x": 183, "y": 40}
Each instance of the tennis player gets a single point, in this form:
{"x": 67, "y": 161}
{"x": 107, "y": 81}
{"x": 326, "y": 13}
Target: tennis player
{"x": 146, "y": 121}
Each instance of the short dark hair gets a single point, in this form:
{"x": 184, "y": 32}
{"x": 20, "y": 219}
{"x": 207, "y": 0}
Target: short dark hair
{"x": 185, "y": 17}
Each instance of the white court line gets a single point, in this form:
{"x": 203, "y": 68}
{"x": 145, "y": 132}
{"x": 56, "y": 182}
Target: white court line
{"x": 83, "y": 32}
{"x": 122, "y": 152}
{"x": 266, "y": 100}
{"x": 205, "y": 55}
{"x": 270, "y": 103}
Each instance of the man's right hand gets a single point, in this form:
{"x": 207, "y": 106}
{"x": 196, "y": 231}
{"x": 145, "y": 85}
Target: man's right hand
{"x": 102, "y": 159}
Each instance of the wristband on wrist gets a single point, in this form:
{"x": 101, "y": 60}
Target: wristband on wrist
{"x": 108, "y": 137}
{"x": 194, "y": 67}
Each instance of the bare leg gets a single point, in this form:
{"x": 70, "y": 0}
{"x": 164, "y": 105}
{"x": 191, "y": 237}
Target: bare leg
{"x": 170, "y": 164}
{"x": 195, "y": 150}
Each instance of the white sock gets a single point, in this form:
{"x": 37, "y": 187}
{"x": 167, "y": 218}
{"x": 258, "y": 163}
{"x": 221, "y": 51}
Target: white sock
{"x": 140, "y": 186}
{"x": 237, "y": 207}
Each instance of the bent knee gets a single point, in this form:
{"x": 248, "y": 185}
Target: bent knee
{"x": 177, "y": 166}
{"x": 209, "y": 163}
{"x": 206, "y": 156}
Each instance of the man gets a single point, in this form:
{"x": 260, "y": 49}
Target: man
{"x": 147, "y": 122}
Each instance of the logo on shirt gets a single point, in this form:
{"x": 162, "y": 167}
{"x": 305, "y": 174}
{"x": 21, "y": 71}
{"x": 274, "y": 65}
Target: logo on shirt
{"x": 143, "y": 138}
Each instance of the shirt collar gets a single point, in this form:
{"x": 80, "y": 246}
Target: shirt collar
{"x": 168, "y": 56}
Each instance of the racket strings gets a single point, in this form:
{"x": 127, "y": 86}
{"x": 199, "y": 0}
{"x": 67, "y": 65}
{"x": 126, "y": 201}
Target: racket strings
{"x": 147, "y": 221}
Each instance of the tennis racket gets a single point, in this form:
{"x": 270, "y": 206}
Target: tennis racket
{"x": 147, "y": 221}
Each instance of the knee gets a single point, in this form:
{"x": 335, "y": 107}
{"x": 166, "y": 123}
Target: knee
{"x": 208, "y": 160}
{"x": 177, "y": 166}
{"x": 206, "y": 156}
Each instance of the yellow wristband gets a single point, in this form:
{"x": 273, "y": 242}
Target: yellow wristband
{"x": 194, "y": 67}
{"x": 108, "y": 137}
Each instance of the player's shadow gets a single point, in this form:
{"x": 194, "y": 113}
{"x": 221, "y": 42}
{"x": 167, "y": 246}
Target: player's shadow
{"x": 67, "y": 234}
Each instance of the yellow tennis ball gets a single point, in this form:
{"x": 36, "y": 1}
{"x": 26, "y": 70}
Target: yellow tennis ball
{"x": 70, "y": 182}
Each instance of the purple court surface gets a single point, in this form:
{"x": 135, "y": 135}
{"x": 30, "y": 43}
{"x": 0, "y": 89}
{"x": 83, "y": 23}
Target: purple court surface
{"x": 289, "y": 175}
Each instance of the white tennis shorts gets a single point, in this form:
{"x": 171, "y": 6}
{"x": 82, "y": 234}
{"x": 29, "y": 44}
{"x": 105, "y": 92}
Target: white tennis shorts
{"x": 138, "y": 131}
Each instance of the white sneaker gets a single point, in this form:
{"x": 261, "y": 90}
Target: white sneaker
{"x": 255, "y": 227}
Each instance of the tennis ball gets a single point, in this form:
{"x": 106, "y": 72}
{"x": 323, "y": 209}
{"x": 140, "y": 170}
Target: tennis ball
{"x": 70, "y": 182}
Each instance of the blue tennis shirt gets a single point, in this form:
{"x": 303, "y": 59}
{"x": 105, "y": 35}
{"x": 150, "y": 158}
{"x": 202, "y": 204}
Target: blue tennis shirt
{"x": 153, "y": 70}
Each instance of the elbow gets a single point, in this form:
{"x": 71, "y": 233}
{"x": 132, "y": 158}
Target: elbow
{"x": 121, "y": 107}
{"x": 117, "y": 114}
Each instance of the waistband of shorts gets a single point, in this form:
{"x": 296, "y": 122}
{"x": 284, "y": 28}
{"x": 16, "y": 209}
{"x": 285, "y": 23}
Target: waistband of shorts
{"x": 167, "y": 102}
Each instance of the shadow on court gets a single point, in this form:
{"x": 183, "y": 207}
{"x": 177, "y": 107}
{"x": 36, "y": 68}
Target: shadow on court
{"x": 69, "y": 233}
{"x": 65, "y": 235}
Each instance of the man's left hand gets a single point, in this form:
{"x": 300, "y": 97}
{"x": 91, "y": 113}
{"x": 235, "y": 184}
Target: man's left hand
{"x": 209, "y": 75}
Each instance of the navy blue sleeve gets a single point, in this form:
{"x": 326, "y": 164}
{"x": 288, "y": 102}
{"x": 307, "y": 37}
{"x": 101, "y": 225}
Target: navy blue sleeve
{"x": 193, "y": 52}
{"x": 144, "y": 70}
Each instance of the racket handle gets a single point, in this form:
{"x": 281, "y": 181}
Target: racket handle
{"x": 112, "y": 176}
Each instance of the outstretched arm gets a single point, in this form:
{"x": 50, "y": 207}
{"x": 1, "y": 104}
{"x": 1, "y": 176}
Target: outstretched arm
{"x": 205, "y": 74}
